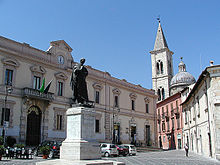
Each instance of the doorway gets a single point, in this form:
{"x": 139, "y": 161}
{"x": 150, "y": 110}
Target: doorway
{"x": 148, "y": 142}
{"x": 133, "y": 134}
{"x": 33, "y": 132}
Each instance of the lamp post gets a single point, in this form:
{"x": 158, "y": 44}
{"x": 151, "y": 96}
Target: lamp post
{"x": 8, "y": 90}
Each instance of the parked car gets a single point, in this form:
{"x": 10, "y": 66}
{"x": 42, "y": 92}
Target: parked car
{"x": 108, "y": 149}
{"x": 54, "y": 148}
{"x": 122, "y": 150}
{"x": 131, "y": 149}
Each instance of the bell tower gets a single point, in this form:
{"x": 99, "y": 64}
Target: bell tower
{"x": 162, "y": 65}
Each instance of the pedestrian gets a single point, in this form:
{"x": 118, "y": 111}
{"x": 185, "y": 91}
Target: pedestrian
{"x": 186, "y": 149}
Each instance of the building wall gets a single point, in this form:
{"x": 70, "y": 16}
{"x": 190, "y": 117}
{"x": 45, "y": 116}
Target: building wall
{"x": 26, "y": 61}
{"x": 201, "y": 114}
{"x": 171, "y": 136}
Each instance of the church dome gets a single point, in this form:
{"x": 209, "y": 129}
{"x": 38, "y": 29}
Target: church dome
{"x": 182, "y": 78}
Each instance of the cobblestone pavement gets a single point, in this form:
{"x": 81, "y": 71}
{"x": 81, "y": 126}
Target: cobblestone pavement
{"x": 174, "y": 157}
{"x": 146, "y": 158}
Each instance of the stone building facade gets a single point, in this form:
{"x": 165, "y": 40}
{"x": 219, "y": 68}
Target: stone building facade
{"x": 201, "y": 113}
{"x": 169, "y": 118}
{"x": 124, "y": 112}
{"x": 162, "y": 65}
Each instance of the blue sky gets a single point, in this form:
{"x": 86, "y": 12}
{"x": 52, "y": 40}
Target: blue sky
{"x": 117, "y": 35}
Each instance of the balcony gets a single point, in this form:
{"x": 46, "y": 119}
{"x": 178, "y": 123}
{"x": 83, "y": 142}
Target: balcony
{"x": 33, "y": 93}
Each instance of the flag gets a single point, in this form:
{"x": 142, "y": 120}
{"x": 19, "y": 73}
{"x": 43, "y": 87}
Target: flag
{"x": 48, "y": 87}
{"x": 42, "y": 86}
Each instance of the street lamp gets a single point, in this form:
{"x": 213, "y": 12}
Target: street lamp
{"x": 113, "y": 133}
{"x": 8, "y": 90}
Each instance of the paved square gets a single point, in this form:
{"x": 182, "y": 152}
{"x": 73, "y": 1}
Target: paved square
{"x": 174, "y": 157}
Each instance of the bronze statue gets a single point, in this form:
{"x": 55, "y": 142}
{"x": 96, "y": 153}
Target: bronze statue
{"x": 78, "y": 83}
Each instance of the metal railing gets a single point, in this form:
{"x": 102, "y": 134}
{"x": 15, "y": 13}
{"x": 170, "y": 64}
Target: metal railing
{"x": 34, "y": 93}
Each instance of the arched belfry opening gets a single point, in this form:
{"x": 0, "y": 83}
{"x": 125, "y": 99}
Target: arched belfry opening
{"x": 33, "y": 132}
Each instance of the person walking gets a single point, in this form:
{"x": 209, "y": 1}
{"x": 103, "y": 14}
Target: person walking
{"x": 186, "y": 149}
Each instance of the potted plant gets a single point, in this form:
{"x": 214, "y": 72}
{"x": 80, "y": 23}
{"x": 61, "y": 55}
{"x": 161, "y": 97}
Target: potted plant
{"x": 2, "y": 151}
{"x": 45, "y": 151}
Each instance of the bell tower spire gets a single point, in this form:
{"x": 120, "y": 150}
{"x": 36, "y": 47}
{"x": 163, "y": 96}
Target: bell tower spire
{"x": 162, "y": 65}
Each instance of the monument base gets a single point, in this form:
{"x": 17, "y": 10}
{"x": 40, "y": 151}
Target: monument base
{"x": 80, "y": 143}
{"x": 79, "y": 150}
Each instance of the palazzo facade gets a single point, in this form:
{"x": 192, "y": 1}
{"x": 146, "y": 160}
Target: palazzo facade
{"x": 125, "y": 112}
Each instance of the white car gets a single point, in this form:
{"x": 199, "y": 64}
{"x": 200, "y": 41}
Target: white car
{"x": 108, "y": 149}
{"x": 131, "y": 149}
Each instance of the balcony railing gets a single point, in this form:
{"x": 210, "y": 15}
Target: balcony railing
{"x": 33, "y": 93}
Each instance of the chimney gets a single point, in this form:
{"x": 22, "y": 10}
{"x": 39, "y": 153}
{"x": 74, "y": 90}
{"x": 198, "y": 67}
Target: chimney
{"x": 211, "y": 63}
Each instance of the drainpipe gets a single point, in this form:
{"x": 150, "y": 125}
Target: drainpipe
{"x": 210, "y": 143}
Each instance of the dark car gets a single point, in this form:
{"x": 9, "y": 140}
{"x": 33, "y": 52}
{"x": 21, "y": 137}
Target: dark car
{"x": 122, "y": 150}
{"x": 54, "y": 148}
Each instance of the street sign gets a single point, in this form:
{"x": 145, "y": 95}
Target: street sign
{"x": 6, "y": 124}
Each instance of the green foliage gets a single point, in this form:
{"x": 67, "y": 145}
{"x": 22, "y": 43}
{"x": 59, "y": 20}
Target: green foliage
{"x": 45, "y": 150}
{"x": 2, "y": 150}
{"x": 19, "y": 145}
{"x": 1, "y": 140}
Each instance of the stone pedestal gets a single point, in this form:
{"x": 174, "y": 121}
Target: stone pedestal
{"x": 80, "y": 143}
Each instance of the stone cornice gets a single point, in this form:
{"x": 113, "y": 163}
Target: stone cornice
{"x": 161, "y": 50}
{"x": 26, "y": 52}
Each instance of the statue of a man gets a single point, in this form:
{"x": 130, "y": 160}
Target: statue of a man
{"x": 78, "y": 83}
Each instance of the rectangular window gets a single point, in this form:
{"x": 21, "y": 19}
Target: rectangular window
{"x": 59, "y": 122}
{"x": 159, "y": 127}
{"x": 163, "y": 126}
{"x": 163, "y": 115}
{"x": 177, "y": 106}
{"x": 147, "y": 108}
{"x": 173, "y": 127}
{"x": 8, "y": 76}
{"x": 186, "y": 117}
{"x": 198, "y": 106}
{"x": 168, "y": 125}
{"x": 96, "y": 126}
{"x": 97, "y": 97}
{"x": 116, "y": 101}
{"x": 60, "y": 89}
{"x": 178, "y": 122}
{"x": 7, "y": 115}
{"x": 132, "y": 105}
{"x": 36, "y": 83}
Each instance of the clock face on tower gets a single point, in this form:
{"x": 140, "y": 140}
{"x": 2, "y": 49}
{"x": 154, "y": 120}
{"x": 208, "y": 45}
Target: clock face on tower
{"x": 60, "y": 60}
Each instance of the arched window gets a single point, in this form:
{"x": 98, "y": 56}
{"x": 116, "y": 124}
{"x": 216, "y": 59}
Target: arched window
{"x": 161, "y": 67}
{"x": 163, "y": 94}
{"x": 158, "y": 68}
{"x": 159, "y": 95}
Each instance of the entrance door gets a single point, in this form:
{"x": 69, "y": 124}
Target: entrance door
{"x": 133, "y": 134}
{"x": 148, "y": 135}
{"x": 33, "y": 126}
